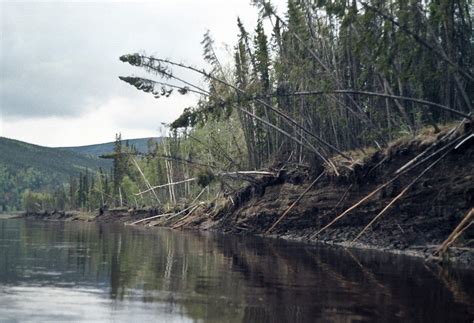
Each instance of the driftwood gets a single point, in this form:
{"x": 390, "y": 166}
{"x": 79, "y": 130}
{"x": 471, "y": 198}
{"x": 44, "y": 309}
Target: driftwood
{"x": 184, "y": 217}
{"x": 407, "y": 169}
{"x": 464, "y": 140}
{"x": 415, "y": 180}
{"x": 150, "y": 218}
{"x": 294, "y": 203}
{"x": 337, "y": 218}
{"x": 400, "y": 195}
{"x": 460, "y": 228}
{"x": 166, "y": 214}
{"x": 447, "y": 136}
{"x": 335, "y": 207}
{"x": 191, "y": 205}
{"x": 176, "y": 225}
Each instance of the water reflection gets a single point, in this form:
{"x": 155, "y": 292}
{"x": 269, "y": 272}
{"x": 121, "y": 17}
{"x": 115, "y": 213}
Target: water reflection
{"x": 72, "y": 271}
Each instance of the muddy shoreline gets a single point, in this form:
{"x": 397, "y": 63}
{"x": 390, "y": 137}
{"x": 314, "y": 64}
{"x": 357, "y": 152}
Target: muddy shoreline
{"x": 416, "y": 225}
{"x": 459, "y": 256}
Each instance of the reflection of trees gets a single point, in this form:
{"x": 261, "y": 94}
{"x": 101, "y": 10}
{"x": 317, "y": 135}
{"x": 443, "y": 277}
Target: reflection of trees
{"x": 233, "y": 279}
{"x": 337, "y": 284}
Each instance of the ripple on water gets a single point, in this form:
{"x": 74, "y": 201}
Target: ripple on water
{"x": 96, "y": 273}
{"x": 46, "y": 304}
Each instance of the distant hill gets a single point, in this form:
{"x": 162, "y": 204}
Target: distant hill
{"x": 26, "y": 166}
{"x": 18, "y": 154}
{"x": 141, "y": 144}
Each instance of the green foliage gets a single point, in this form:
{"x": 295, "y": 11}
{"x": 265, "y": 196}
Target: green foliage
{"x": 205, "y": 178}
{"x": 119, "y": 162}
{"x": 157, "y": 89}
{"x": 37, "y": 202}
{"x": 21, "y": 155}
{"x": 291, "y": 96}
{"x": 262, "y": 57}
{"x": 129, "y": 188}
{"x": 208, "y": 52}
{"x": 40, "y": 169}
{"x": 188, "y": 118}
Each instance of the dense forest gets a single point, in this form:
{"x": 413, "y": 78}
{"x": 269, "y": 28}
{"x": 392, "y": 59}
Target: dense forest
{"x": 68, "y": 178}
{"x": 42, "y": 170}
{"x": 321, "y": 80}
{"x": 331, "y": 76}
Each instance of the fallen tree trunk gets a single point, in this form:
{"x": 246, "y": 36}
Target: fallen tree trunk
{"x": 461, "y": 227}
{"x": 223, "y": 174}
{"x": 295, "y": 202}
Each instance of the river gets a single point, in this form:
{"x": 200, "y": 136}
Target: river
{"x": 71, "y": 271}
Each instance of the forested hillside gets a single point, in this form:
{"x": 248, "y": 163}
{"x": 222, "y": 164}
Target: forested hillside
{"x": 26, "y": 166}
{"x": 141, "y": 145}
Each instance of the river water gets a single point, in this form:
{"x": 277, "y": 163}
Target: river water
{"x": 63, "y": 271}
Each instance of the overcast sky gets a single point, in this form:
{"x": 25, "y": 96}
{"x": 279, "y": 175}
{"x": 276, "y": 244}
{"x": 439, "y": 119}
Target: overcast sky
{"x": 59, "y": 64}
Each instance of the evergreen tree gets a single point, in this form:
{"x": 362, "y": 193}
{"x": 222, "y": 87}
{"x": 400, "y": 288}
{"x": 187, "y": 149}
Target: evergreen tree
{"x": 118, "y": 163}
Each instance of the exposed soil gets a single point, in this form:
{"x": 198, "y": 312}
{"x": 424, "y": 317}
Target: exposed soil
{"x": 416, "y": 224}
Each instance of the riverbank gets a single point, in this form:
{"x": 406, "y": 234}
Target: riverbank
{"x": 416, "y": 223}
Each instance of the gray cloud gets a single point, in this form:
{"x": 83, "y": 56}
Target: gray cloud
{"x": 57, "y": 59}
{"x": 60, "y": 59}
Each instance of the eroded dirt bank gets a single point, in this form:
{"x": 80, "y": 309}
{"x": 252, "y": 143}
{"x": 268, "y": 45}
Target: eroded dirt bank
{"x": 416, "y": 224}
